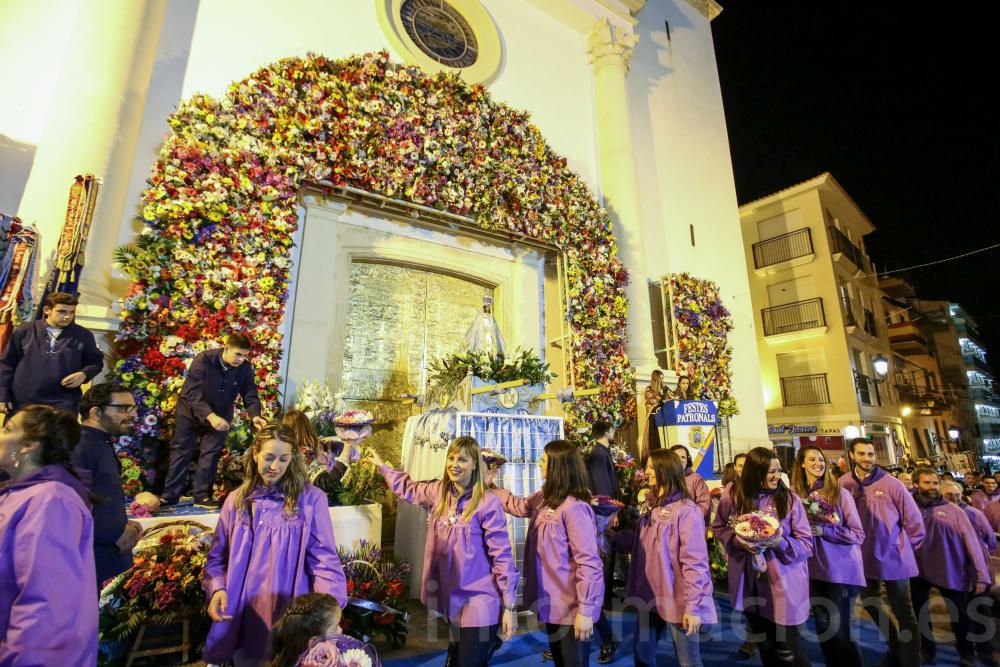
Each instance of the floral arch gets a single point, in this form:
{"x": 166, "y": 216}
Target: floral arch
{"x": 220, "y": 212}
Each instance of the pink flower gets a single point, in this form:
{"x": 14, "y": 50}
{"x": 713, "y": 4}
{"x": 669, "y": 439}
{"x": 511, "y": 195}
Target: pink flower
{"x": 321, "y": 654}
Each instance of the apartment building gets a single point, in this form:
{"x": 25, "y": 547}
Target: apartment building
{"x": 826, "y": 362}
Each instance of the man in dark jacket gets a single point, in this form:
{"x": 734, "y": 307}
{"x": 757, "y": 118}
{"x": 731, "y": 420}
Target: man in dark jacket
{"x": 204, "y": 412}
{"x": 107, "y": 411}
{"x": 46, "y": 361}
{"x": 600, "y": 466}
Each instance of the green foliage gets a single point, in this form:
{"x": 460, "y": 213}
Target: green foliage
{"x": 448, "y": 372}
{"x": 361, "y": 483}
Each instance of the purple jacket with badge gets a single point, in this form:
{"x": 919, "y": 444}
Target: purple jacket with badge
{"x": 783, "y": 591}
{"x": 892, "y": 524}
{"x": 469, "y": 561}
{"x": 563, "y": 572}
{"x": 837, "y": 552}
{"x": 951, "y": 555}
{"x": 669, "y": 568}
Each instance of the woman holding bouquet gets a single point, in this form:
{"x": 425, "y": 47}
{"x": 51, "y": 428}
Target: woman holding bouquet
{"x": 765, "y": 532}
{"x": 836, "y": 571}
{"x": 563, "y": 572}
{"x": 469, "y": 572}
{"x": 274, "y": 541}
{"x": 670, "y": 575}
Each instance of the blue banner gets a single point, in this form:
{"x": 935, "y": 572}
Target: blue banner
{"x": 688, "y": 413}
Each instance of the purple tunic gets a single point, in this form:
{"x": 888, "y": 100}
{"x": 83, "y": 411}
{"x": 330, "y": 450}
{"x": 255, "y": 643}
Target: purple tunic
{"x": 784, "y": 590}
{"x": 837, "y": 552}
{"x": 48, "y": 585}
{"x": 983, "y": 529}
{"x": 698, "y": 490}
{"x": 980, "y": 499}
{"x": 563, "y": 572}
{"x": 951, "y": 555}
{"x": 263, "y": 562}
{"x": 892, "y": 524}
{"x": 468, "y": 564}
{"x": 670, "y": 563}
{"x": 992, "y": 514}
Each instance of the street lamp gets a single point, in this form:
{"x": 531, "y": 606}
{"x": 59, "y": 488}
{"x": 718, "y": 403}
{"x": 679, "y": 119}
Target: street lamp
{"x": 953, "y": 433}
{"x": 851, "y": 432}
{"x": 881, "y": 366}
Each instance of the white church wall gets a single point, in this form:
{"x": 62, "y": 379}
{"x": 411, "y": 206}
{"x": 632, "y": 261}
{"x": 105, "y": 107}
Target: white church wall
{"x": 686, "y": 179}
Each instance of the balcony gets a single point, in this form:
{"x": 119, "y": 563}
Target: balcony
{"x": 871, "y": 328}
{"x": 984, "y": 393}
{"x": 804, "y": 390}
{"x": 906, "y": 339}
{"x": 841, "y": 246}
{"x": 788, "y": 247}
{"x": 867, "y": 388}
{"x": 793, "y": 317}
{"x": 974, "y": 361}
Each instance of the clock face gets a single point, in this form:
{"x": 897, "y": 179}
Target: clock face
{"x": 508, "y": 398}
{"x": 440, "y": 31}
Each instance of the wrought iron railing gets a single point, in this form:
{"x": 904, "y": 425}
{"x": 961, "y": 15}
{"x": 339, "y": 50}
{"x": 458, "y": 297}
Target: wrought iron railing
{"x": 782, "y": 248}
{"x": 793, "y": 317}
{"x": 805, "y": 390}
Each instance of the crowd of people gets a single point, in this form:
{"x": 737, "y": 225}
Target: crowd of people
{"x": 275, "y": 586}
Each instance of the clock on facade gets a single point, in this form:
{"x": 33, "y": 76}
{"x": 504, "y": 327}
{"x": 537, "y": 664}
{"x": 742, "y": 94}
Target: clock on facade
{"x": 440, "y": 31}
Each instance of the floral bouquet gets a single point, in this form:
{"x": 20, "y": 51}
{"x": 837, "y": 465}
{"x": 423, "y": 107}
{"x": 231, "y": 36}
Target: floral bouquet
{"x": 492, "y": 459}
{"x": 362, "y": 482}
{"x": 718, "y": 560}
{"x": 756, "y": 529}
{"x": 605, "y": 510}
{"x": 164, "y": 584}
{"x": 355, "y": 419}
{"x": 319, "y": 406}
{"x": 144, "y": 505}
{"x": 338, "y": 651}
{"x": 376, "y": 585}
{"x": 820, "y": 510}
{"x": 131, "y": 474}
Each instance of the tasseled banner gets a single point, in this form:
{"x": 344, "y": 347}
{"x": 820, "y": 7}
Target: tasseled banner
{"x": 73, "y": 239}
{"x": 18, "y": 261}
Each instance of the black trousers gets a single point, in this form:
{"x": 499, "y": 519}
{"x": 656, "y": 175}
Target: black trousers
{"x": 982, "y": 624}
{"x": 900, "y": 627}
{"x": 832, "y": 606}
{"x": 780, "y": 645}
{"x": 956, "y": 602}
{"x": 567, "y": 650}
{"x": 603, "y": 626}
{"x": 189, "y": 435}
{"x": 471, "y": 647}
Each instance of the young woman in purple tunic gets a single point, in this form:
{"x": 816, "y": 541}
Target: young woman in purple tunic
{"x": 563, "y": 572}
{"x": 696, "y": 486}
{"x": 776, "y": 601}
{"x": 309, "y": 634}
{"x": 469, "y": 573}
{"x": 836, "y": 571}
{"x": 274, "y": 541}
{"x": 669, "y": 579}
{"x": 48, "y": 583}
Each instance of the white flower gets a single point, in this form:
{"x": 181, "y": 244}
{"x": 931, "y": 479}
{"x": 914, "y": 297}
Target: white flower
{"x": 355, "y": 658}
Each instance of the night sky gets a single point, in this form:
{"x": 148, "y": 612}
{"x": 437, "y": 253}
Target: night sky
{"x": 899, "y": 105}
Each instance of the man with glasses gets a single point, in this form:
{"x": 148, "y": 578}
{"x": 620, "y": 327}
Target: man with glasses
{"x": 204, "y": 411}
{"x": 48, "y": 360}
{"x": 107, "y": 411}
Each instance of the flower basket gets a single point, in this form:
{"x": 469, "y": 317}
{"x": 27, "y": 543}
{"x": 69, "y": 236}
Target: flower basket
{"x": 376, "y": 585}
{"x": 164, "y": 584}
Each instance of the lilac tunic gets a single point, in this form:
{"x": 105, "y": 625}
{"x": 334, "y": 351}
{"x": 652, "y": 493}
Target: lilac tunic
{"x": 563, "y": 572}
{"x": 264, "y": 560}
{"x": 837, "y": 552}
{"x": 980, "y": 499}
{"x": 48, "y": 584}
{"x": 698, "y": 490}
{"x": 992, "y": 514}
{"x": 892, "y": 524}
{"x": 951, "y": 555}
{"x": 783, "y": 590}
{"x": 983, "y": 529}
{"x": 670, "y": 563}
{"x": 468, "y": 564}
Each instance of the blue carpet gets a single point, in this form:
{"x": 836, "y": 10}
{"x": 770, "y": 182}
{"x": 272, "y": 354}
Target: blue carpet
{"x": 719, "y": 645}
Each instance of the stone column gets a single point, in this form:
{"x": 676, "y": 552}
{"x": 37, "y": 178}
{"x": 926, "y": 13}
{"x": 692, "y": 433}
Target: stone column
{"x": 610, "y": 49}
{"x": 92, "y": 126}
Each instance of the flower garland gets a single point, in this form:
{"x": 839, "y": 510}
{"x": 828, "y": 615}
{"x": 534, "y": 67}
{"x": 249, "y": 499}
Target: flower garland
{"x": 220, "y": 212}
{"x": 703, "y": 350}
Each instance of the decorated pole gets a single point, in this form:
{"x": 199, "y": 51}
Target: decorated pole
{"x": 18, "y": 260}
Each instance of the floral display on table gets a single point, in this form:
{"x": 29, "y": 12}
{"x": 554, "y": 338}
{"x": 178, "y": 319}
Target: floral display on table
{"x": 447, "y": 372}
{"x": 164, "y": 584}
{"x": 756, "y": 529}
{"x": 319, "y": 405}
{"x": 221, "y": 210}
{"x": 361, "y": 483}
{"x": 354, "y": 419}
{"x": 133, "y": 476}
{"x": 703, "y": 351}
{"x": 377, "y": 587}
{"x": 144, "y": 505}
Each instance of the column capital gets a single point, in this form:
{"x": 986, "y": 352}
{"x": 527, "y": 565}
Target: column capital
{"x": 610, "y": 45}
